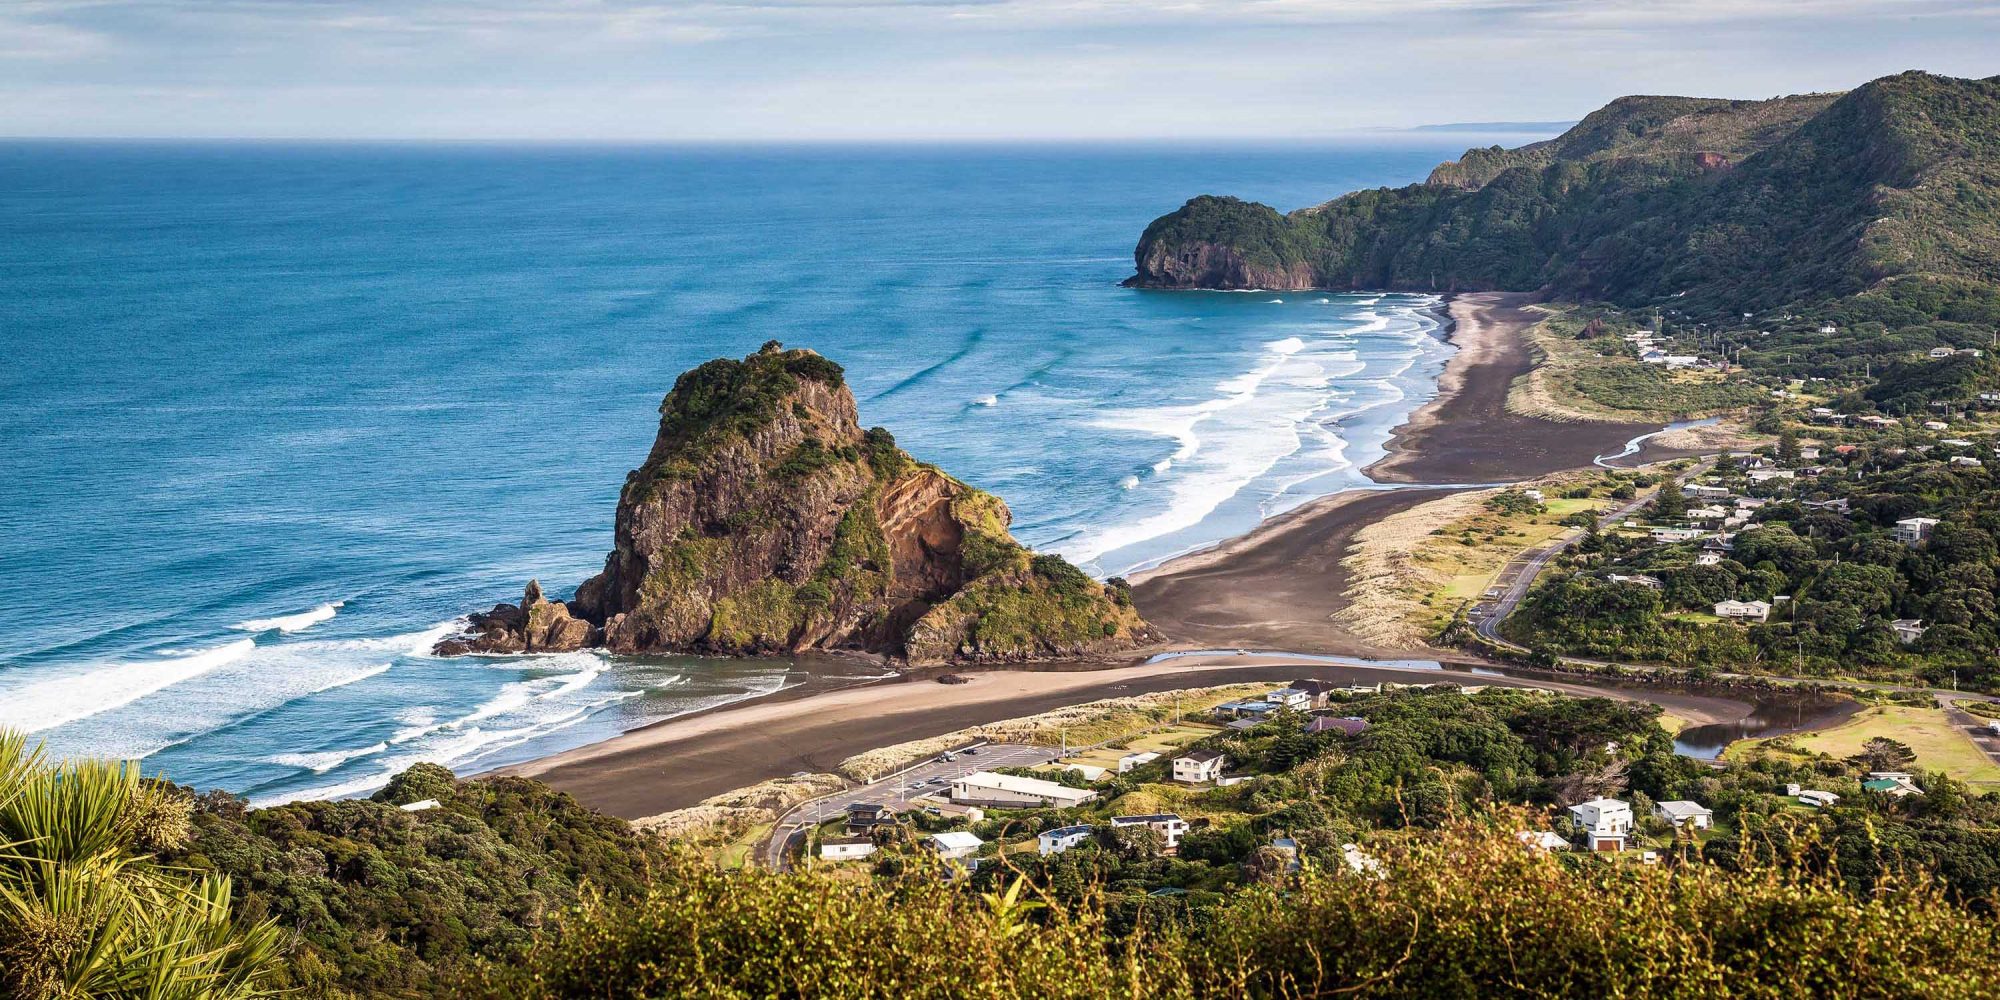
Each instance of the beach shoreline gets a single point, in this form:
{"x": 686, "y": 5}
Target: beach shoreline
{"x": 1272, "y": 588}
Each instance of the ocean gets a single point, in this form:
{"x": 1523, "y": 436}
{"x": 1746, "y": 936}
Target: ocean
{"x": 275, "y": 415}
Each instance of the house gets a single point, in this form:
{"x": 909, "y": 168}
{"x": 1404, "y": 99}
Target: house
{"x": 1874, "y": 420}
{"x": 1542, "y": 840}
{"x": 1360, "y": 862}
{"x": 1965, "y": 460}
{"x": 1990, "y": 398}
{"x": 1670, "y": 535}
{"x": 1198, "y": 766}
{"x": 1252, "y": 709}
{"x": 956, "y": 844}
{"x": 1319, "y": 690}
{"x": 1908, "y": 630}
{"x": 1170, "y": 825}
{"x": 1914, "y": 530}
{"x": 1240, "y": 725}
{"x": 1809, "y": 452}
{"x": 1680, "y": 360}
{"x": 1956, "y": 443}
{"x": 1767, "y": 475}
{"x": 1896, "y": 784}
{"x": 1349, "y": 725}
{"x": 1817, "y": 799}
{"x": 421, "y": 805}
{"x": 865, "y": 816}
{"x": 1091, "y": 772}
{"x": 1637, "y": 580}
{"x": 1708, "y": 515}
{"x": 1936, "y": 425}
{"x": 1824, "y": 415}
{"x": 988, "y": 789}
{"x": 1290, "y": 698}
{"x": 1682, "y": 813}
{"x": 1535, "y": 495}
{"x": 1751, "y": 503}
{"x": 1828, "y": 328}
{"x": 1702, "y": 491}
{"x": 1605, "y": 822}
{"x": 846, "y": 848}
{"x": 1750, "y": 461}
{"x": 1653, "y": 356}
{"x": 1061, "y": 839}
{"x": 1743, "y": 610}
{"x": 1139, "y": 759}
{"x": 1708, "y": 559}
{"x": 1940, "y": 352}
{"x": 1970, "y": 352}
{"x": 1834, "y": 505}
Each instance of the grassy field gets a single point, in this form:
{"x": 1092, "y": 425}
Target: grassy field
{"x": 1938, "y": 744}
{"x": 1162, "y": 740}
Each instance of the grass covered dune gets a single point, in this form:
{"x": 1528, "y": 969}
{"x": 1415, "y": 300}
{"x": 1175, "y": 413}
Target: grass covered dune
{"x": 1466, "y": 913}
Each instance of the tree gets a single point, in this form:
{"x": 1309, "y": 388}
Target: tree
{"x": 1668, "y": 503}
{"x": 1884, "y": 754}
{"x": 1788, "y": 446}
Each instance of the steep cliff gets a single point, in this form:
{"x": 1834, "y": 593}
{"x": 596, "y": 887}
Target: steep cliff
{"x": 766, "y": 520}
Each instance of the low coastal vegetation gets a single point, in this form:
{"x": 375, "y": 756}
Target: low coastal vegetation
{"x": 1415, "y": 572}
{"x": 1385, "y": 857}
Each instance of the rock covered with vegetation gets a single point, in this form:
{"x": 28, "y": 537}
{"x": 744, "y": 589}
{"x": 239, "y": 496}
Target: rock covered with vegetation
{"x": 766, "y": 520}
{"x": 1716, "y": 206}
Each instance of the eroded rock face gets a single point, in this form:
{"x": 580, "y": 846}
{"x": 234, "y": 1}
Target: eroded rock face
{"x": 1213, "y": 265}
{"x": 766, "y": 520}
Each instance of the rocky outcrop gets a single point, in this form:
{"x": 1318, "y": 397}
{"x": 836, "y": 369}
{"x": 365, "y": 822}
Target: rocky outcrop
{"x": 766, "y": 520}
{"x": 537, "y": 625}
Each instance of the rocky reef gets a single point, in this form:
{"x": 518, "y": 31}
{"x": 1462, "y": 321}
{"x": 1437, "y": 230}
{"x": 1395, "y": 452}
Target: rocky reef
{"x": 766, "y": 520}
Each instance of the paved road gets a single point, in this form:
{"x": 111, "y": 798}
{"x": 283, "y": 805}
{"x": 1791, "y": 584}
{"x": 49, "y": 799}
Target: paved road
{"x": 1520, "y": 572}
{"x": 897, "y": 792}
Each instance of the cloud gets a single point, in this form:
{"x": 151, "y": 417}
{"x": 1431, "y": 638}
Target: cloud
{"x": 916, "y": 68}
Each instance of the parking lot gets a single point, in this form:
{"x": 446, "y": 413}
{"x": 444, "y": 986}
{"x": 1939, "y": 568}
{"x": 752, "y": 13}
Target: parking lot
{"x": 902, "y": 792}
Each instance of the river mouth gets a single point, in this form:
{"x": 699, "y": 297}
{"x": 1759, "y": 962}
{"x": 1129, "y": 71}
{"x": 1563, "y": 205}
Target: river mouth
{"x": 1772, "y": 715}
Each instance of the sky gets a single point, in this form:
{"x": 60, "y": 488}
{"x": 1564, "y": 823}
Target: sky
{"x": 875, "y": 70}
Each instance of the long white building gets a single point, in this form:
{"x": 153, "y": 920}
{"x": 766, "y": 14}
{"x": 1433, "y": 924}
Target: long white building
{"x": 1007, "y": 790}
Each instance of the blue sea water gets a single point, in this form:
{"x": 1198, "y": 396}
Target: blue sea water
{"x": 274, "y": 415}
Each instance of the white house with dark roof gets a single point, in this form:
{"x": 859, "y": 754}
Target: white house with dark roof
{"x": 1060, "y": 839}
{"x": 1197, "y": 767}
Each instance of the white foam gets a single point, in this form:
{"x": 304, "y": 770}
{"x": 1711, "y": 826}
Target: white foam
{"x": 1275, "y": 302}
{"x": 1129, "y": 483}
{"x": 987, "y": 400}
{"x": 1275, "y": 426}
{"x": 58, "y": 701}
{"x": 292, "y": 623}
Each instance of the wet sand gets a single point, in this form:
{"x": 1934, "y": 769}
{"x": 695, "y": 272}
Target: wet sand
{"x": 1276, "y": 587}
{"x": 678, "y": 763}
{"x": 1465, "y": 434}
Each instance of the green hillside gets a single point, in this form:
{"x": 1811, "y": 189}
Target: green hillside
{"x": 1717, "y": 207}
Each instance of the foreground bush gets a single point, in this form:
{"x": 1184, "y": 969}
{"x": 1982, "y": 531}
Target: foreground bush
{"x": 1468, "y": 913}
{"x": 86, "y": 911}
